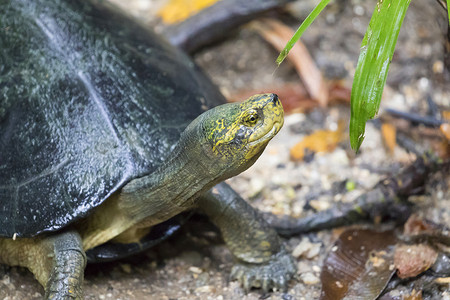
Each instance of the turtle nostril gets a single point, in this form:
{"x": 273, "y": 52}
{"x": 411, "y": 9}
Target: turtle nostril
{"x": 274, "y": 98}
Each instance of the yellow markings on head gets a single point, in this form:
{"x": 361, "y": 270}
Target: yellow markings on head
{"x": 246, "y": 126}
{"x": 223, "y": 133}
{"x": 220, "y": 125}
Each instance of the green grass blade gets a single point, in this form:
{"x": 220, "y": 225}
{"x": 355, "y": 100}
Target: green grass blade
{"x": 448, "y": 10}
{"x": 377, "y": 49}
{"x": 305, "y": 24}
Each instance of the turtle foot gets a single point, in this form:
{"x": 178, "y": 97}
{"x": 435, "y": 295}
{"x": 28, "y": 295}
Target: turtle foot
{"x": 273, "y": 274}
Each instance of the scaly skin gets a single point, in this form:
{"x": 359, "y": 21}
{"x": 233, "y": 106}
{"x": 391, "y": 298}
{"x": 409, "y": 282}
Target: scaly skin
{"x": 56, "y": 261}
{"x": 199, "y": 161}
{"x": 220, "y": 143}
{"x": 262, "y": 261}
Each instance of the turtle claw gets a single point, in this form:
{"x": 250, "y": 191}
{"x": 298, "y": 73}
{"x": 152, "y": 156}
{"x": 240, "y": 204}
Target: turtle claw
{"x": 273, "y": 274}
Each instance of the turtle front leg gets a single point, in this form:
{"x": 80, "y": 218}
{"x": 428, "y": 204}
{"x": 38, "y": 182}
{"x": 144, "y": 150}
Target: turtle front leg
{"x": 262, "y": 260}
{"x": 57, "y": 262}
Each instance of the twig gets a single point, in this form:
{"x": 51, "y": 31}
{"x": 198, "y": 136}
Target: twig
{"x": 386, "y": 199}
{"x": 433, "y": 109}
{"x": 416, "y": 118}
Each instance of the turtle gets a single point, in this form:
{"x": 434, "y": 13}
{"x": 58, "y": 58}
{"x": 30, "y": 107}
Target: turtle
{"x": 110, "y": 137}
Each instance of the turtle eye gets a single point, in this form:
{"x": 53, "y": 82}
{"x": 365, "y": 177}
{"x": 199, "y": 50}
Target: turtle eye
{"x": 251, "y": 118}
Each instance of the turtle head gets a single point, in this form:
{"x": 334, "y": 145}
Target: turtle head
{"x": 237, "y": 133}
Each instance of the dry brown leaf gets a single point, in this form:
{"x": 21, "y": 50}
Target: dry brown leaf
{"x": 412, "y": 260}
{"x": 278, "y": 34}
{"x": 442, "y": 148}
{"x": 445, "y": 129}
{"x": 178, "y": 10}
{"x": 358, "y": 266}
{"x": 446, "y": 115}
{"x": 293, "y": 96}
{"x": 338, "y": 92}
{"x": 417, "y": 225}
{"x": 388, "y": 133}
{"x": 319, "y": 141}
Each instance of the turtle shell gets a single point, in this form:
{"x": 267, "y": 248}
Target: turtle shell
{"x": 89, "y": 99}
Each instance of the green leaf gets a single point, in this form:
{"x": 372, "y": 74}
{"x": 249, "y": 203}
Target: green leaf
{"x": 448, "y": 10}
{"x": 377, "y": 49}
{"x": 305, "y": 24}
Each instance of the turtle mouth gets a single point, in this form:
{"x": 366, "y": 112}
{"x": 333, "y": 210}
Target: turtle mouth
{"x": 268, "y": 136}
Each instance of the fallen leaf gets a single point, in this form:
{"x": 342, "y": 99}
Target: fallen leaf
{"x": 277, "y": 34}
{"x": 388, "y": 133}
{"x": 319, "y": 141}
{"x": 178, "y": 10}
{"x": 445, "y": 129}
{"x": 416, "y": 225}
{"x": 412, "y": 260}
{"x": 338, "y": 92}
{"x": 358, "y": 266}
{"x": 446, "y": 115}
{"x": 293, "y": 96}
{"x": 442, "y": 149}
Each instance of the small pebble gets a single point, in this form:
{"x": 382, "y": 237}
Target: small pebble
{"x": 438, "y": 67}
{"x": 301, "y": 248}
{"x": 316, "y": 268}
{"x": 195, "y": 270}
{"x": 313, "y": 251}
{"x": 303, "y": 267}
{"x": 309, "y": 278}
{"x": 320, "y": 205}
{"x": 358, "y": 10}
{"x": 307, "y": 249}
{"x": 6, "y": 279}
{"x": 285, "y": 296}
{"x": 205, "y": 289}
{"x": 256, "y": 186}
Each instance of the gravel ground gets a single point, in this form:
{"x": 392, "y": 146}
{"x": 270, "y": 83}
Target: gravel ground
{"x": 195, "y": 264}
